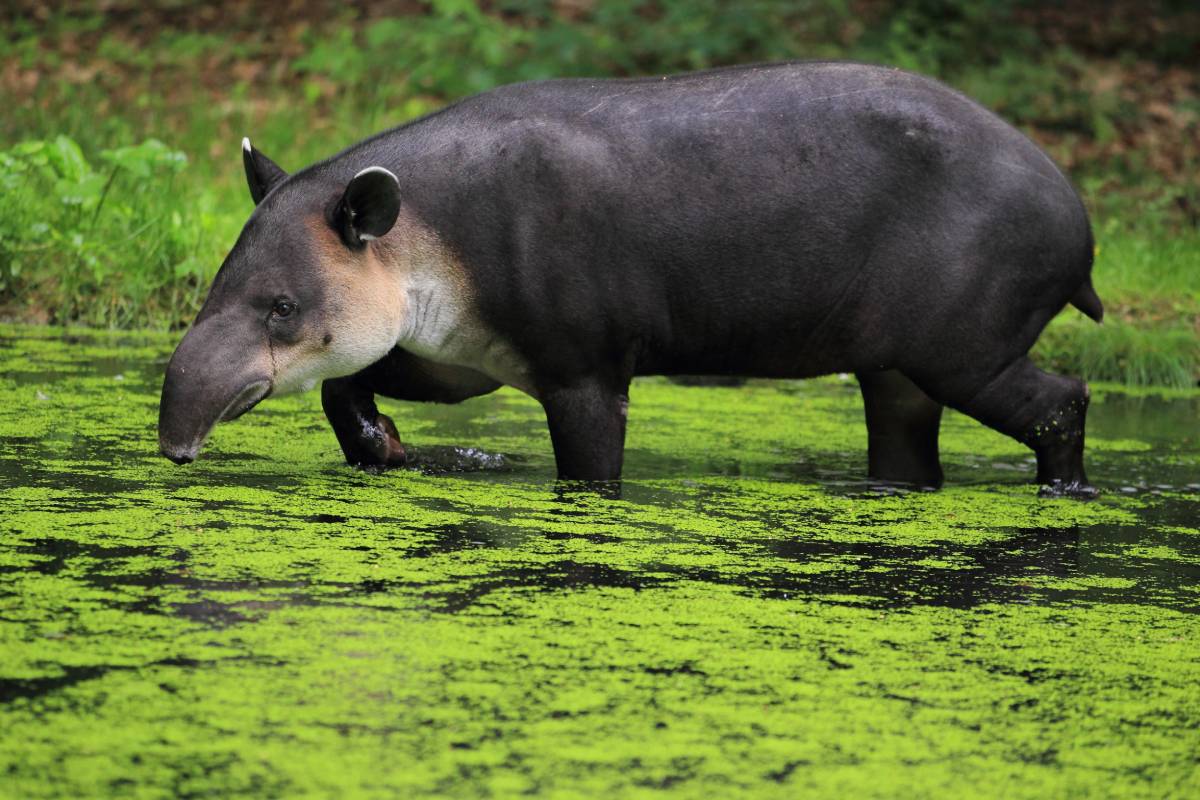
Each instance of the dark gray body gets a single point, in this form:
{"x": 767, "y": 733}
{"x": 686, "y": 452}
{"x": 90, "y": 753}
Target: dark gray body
{"x": 781, "y": 221}
{"x": 785, "y": 220}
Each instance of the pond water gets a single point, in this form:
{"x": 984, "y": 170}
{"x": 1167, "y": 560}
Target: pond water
{"x": 748, "y": 617}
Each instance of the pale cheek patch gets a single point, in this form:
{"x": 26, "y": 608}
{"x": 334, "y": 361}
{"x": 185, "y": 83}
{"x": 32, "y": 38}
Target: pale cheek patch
{"x": 358, "y": 325}
{"x": 364, "y": 320}
{"x": 355, "y": 338}
{"x": 297, "y": 368}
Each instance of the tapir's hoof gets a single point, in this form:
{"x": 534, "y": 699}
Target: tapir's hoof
{"x": 394, "y": 454}
{"x": 1077, "y": 490}
{"x": 378, "y": 446}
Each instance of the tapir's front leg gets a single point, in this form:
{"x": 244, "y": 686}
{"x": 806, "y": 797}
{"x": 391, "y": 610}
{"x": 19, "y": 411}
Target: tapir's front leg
{"x": 368, "y": 438}
{"x": 587, "y": 428}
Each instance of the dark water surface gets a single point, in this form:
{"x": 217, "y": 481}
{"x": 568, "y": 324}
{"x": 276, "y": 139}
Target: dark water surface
{"x": 749, "y": 617}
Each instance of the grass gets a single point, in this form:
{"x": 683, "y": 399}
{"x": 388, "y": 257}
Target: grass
{"x": 1151, "y": 331}
{"x": 123, "y": 189}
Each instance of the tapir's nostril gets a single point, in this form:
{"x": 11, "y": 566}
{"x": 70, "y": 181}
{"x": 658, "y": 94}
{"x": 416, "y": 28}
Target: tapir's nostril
{"x": 179, "y": 456}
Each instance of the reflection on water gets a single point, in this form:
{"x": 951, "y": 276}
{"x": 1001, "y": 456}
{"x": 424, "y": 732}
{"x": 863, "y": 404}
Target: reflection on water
{"x": 490, "y": 628}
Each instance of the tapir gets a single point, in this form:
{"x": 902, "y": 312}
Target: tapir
{"x": 564, "y": 236}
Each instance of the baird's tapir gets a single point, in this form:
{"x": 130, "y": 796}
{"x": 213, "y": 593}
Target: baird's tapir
{"x": 561, "y": 237}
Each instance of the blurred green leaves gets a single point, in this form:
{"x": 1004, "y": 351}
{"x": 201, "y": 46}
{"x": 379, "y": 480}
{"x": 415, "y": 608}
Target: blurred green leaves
{"x": 102, "y": 243}
{"x": 97, "y": 230}
{"x": 458, "y": 48}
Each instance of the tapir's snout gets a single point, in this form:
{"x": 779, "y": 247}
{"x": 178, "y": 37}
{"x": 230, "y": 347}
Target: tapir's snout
{"x": 179, "y": 456}
{"x": 215, "y": 375}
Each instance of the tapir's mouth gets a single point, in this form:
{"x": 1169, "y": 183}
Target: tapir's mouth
{"x": 246, "y": 399}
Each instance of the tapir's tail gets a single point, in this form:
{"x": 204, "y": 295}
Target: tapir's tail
{"x": 1087, "y": 301}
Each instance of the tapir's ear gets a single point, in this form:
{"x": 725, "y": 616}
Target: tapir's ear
{"x": 369, "y": 206}
{"x": 261, "y": 172}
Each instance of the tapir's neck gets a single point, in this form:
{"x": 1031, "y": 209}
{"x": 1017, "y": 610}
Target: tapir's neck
{"x": 441, "y": 322}
{"x": 435, "y": 318}
{"x": 431, "y": 284}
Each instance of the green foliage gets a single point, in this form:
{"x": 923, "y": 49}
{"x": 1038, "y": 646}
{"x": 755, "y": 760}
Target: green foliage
{"x": 1117, "y": 351}
{"x": 105, "y": 244}
{"x": 100, "y": 233}
{"x": 945, "y": 37}
{"x": 458, "y": 48}
{"x": 1151, "y": 333}
{"x": 1139, "y": 255}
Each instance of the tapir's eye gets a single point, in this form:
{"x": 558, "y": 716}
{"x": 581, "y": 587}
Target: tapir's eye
{"x": 284, "y": 308}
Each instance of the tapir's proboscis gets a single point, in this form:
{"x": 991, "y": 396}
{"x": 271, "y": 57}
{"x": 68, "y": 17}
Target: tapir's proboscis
{"x": 562, "y": 237}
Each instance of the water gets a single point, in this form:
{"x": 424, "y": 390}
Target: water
{"x": 748, "y": 617}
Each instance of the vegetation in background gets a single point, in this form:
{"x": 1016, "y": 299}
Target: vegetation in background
{"x": 109, "y": 242}
{"x": 1149, "y": 277}
{"x": 1114, "y": 96}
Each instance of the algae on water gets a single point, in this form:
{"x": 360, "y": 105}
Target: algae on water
{"x": 748, "y": 618}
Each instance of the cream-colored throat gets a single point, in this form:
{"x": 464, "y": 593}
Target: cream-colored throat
{"x": 441, "y": 322}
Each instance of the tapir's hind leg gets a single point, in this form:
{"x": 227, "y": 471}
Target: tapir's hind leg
{"x": 1042, "y": 411}
{"x": 902, "y": 429}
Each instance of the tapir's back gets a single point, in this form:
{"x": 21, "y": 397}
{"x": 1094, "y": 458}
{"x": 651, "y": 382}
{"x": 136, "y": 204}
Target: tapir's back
{"x": 703, "y": 219}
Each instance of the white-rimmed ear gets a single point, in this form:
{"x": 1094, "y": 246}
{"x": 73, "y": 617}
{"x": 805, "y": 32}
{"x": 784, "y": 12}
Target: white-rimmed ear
{"x": 262, "y": 174}
{"x": 369, "y": 206}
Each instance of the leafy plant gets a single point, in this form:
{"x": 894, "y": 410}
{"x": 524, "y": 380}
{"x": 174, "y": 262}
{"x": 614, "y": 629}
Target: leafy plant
{"x": 96, "y": 232}
{"x": 98, "y": 244}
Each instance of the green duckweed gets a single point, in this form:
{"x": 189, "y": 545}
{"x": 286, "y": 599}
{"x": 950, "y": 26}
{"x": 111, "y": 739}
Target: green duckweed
{"x": 748, "y": 618}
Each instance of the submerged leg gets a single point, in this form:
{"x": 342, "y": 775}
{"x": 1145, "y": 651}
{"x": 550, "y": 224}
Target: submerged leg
{"x": 1045, "y": 412}
{"x": 368, "y": 438}
{"x": 902, "y": 429}
{"x": 587, "y": 428}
